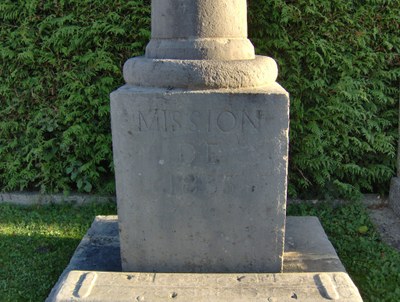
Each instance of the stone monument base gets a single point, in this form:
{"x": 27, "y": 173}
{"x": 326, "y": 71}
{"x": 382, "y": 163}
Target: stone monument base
{"x": 312, "y": 272}
{"x": 193, "y": 192}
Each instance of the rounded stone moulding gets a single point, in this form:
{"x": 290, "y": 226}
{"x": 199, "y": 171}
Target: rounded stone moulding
{"x": 200, "y": 74}
{"x": 200, "y": 49}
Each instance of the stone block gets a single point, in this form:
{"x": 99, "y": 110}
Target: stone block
{"x": 307, "y": 248}
{"x": 394, "y": 195}
{"x": 201, "y": 178}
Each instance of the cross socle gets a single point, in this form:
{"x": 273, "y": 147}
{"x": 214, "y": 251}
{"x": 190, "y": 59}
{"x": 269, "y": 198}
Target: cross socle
{"x": 199, "y": 30}
{"x": 200, "y": 145}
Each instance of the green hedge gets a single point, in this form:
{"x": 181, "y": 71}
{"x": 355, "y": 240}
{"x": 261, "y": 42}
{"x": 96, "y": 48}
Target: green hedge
{"x": 339, "y": 59}
{"x": 61, "y": 59}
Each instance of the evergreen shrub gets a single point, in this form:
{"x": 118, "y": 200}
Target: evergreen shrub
{"x": 59, "y": 60}
{"x": 340, "y": 61}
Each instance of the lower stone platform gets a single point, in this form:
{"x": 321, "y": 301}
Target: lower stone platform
{"x": 312, "y": 272}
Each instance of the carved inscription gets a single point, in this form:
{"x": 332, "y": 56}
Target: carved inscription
{"x": 192, "y": 150}
{"x": 187, "y": 153}
{"x": 204, "y": 153}
{"x": 207, "y": 184}
{"x": 220, "y": 121}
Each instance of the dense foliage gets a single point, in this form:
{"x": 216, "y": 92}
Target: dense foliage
{"x": 340, "y": 61}
{"x": 59, "y": 60}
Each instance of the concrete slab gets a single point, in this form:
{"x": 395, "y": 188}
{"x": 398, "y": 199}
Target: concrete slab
{"x": 307, "y": 247}
{"x": 307, "y": 250}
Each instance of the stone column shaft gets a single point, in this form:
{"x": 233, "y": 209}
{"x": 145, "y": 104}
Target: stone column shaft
{"x": 199, "y": 30}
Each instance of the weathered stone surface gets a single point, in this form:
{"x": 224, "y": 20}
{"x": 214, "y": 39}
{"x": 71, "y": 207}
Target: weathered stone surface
{"x": 313, "y": 287}
{"x": 200, "y": 44}
{"x": 199, "y": 30}
{"x": 307, "y": 248}
{"x": 200, "y": 74}
{"x": 201, "y": 178}
{"x": 100, "y": 247}
{"x": 387, "y": 224}
{"x": 394, "y": 195}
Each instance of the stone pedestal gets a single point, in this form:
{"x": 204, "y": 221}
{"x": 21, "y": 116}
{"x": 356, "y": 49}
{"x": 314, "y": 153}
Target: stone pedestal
{"x": 201, "y": 178}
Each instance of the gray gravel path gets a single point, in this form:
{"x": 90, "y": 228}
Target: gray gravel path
{"x": 385, "y": 220}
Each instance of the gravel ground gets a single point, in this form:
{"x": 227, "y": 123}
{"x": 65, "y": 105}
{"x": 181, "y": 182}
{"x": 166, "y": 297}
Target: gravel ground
{"x": 385, "y": 220}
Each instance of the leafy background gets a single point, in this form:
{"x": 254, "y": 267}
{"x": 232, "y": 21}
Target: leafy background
{"x": 59, "y": 60}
